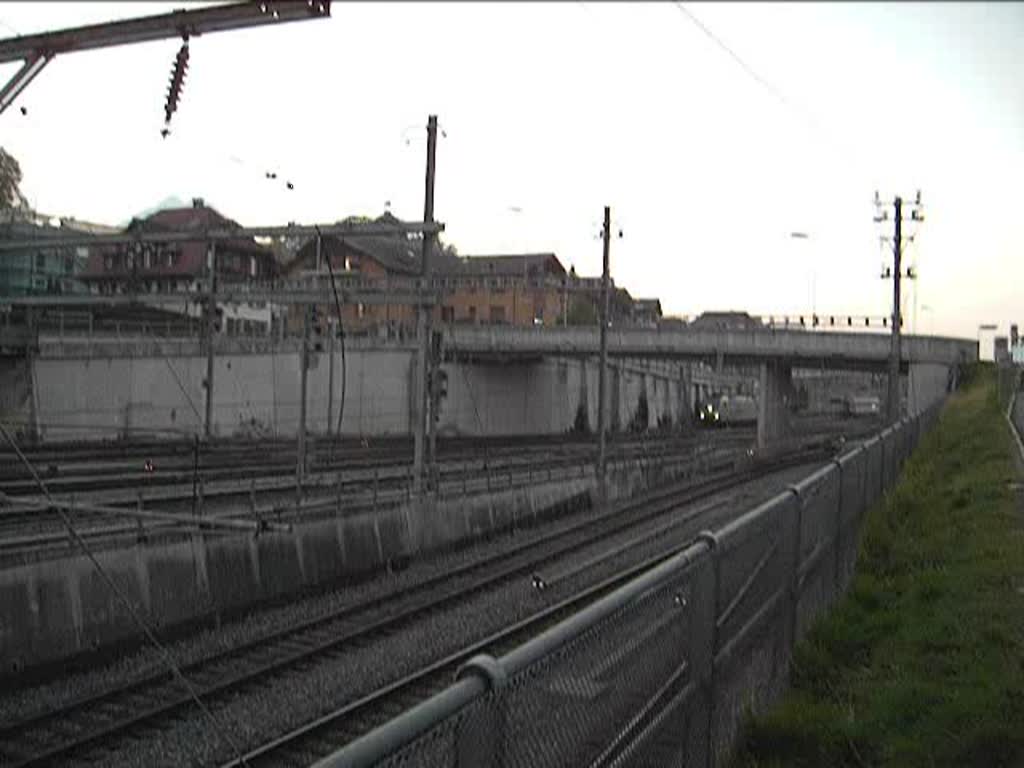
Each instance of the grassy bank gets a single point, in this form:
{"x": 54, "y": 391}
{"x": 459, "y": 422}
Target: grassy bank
{"x": 923, "y": 663}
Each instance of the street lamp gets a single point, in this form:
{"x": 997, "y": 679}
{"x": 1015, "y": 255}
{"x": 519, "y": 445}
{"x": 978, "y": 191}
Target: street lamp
{"x": 814, "y": 278}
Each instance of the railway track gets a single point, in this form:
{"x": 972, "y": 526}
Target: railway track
{"x": 37, "y": 532}
{"x": 380, "y": 483}
{"x": 99, "y": 721}
{"x": 76, "y": 474}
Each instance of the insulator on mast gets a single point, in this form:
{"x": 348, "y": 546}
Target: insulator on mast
{"x": 176, "y": 83}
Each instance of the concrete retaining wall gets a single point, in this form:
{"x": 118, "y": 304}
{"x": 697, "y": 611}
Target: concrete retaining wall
{"x": 15, "y": 390}
{"x": 259, "y": 394}
{"x": 52, "y": 611}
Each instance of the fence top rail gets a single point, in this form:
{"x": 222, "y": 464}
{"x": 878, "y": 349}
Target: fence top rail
{"x": 401, "y": 731}
{"x": 527, "y": 654}
{"x": 372, "y": 747}
{"x": 814, "y": 479}
{"x": 852, "y": 455}
{"x": 738, "y": 529}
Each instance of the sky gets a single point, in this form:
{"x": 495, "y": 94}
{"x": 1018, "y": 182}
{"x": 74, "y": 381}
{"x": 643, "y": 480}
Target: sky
{"x": 550, "y": 111}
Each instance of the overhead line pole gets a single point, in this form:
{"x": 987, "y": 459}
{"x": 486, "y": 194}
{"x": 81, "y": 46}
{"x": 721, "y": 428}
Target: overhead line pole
{"x": 897, "y": 275}
{"x": 211, "y": 311}
{"x": 894, "y": 356}
{"x": 602, "y": 378}
{"x": 423, "y": 318}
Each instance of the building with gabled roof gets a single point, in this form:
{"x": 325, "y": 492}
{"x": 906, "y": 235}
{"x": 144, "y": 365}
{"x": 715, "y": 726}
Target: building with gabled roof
{"x": 162, "y": 268}
{"x": 165, "y": 272}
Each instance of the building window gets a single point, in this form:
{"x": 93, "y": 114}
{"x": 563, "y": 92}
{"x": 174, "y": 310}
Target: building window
{"x": 40, "y": 262}
{"x": 447, "y": 314}
{"x": 472, "y": 313}
{"x": 497, "y": 313}
{"x": 252, "y": 266}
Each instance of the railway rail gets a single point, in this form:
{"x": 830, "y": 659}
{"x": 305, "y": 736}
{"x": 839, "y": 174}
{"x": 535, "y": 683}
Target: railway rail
{"x": 25, "y": 522}
{"x": 78, "y": 474}
{"x": 101, "y": 720}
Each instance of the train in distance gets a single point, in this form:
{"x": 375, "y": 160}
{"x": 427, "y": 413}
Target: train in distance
{"x": 741, "y": 410}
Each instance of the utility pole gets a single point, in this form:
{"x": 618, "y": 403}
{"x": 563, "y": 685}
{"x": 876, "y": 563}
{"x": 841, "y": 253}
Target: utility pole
{"x": 897, "y": 274}
{"x": 423, "y": 319}
{"x": 330, "y": 376}
{"x": 211, "y": 311}
{"x": 894, "y": 356}
{"x": 300, "y": 462}
{"x": 602, "y": 379}
{"x": 434, "y": 396}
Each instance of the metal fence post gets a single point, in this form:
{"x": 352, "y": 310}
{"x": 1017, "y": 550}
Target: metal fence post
{"x": 704, "y": 645}
{"x": 837, "y": 537}
{"x": 481, "y": 740}
{"x": 795, "y": 521}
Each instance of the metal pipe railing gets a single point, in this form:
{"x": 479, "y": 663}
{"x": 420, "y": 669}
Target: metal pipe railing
{"x": 782, "y": 563}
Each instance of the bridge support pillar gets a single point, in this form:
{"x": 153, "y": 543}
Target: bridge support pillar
{"x": 686, "y": 425}
{"x": 773, "y": 401}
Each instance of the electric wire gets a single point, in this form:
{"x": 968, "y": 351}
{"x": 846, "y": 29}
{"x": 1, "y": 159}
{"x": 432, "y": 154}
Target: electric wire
{"x": 137, "y": 618}
{"x": 829, "y": 137}
{"x": 341, "y": 337}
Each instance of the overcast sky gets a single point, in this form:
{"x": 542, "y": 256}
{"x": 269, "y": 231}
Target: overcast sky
{"x": 552, "y": 111}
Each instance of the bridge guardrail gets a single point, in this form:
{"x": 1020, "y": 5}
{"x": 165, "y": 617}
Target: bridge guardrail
{"x": 662, "y": 670}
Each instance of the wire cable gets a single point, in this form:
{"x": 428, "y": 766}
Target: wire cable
{"x": 764, "y": 83}
{"x": 140, "y": 622}
{"x": 341, "y": 336}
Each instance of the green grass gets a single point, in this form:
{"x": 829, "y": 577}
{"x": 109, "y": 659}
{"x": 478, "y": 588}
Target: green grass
{"x": 922, "y": 663}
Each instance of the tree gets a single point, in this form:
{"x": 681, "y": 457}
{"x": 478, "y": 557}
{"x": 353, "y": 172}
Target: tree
{"x": 10, "y": 183}
{"x": 582, "y": 311}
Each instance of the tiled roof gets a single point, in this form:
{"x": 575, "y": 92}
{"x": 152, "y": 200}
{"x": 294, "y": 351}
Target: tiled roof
{"x": 192, "y": 255}
{"x": 511, "y": 264}
{"x": 396, "y": 253}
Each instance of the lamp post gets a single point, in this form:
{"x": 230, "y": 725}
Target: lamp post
{"x": 814, "y": 277}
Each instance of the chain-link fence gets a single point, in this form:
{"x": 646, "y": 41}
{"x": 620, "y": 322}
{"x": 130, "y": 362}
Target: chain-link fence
{"x": 661, "y": 671}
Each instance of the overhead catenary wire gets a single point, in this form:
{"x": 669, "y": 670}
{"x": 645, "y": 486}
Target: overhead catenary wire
{"x": 341, "y": 337}
{"x": 839, "y": 146}
{"x": 136, "y": 617}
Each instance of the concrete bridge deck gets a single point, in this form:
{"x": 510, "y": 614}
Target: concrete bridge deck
{"x": 815, "y": 349}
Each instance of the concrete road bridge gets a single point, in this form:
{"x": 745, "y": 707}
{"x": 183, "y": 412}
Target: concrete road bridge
{"x": 810, "y": 349}
{"x": 930, "y": 362}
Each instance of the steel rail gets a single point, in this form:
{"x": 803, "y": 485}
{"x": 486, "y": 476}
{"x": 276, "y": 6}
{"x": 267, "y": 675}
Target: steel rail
{"x": 332, "y": 638}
